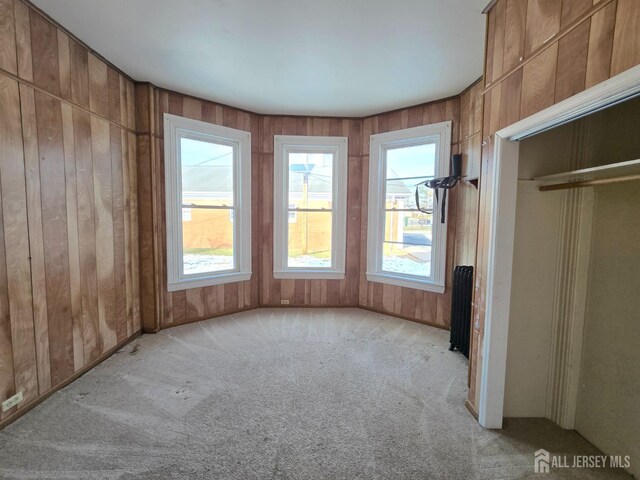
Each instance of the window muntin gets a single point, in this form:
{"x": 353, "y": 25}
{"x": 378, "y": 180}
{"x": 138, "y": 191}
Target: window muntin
{"x": 207, "y": 171}
{"x": 405, "y": 246}
{"x": 310, "y": 192}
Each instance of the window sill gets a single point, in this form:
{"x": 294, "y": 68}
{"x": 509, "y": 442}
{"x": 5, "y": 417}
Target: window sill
{"x": 308, "y": 274}
{"x": 402, "y": 281}
{"x": 219, "y": 279}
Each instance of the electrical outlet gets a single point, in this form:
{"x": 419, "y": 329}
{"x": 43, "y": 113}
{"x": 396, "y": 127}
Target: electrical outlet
{"x": 284, "y": 302}
{"x": 11, "y": 402}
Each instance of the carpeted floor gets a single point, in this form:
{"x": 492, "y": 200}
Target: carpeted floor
{"x": 279, "y": 394}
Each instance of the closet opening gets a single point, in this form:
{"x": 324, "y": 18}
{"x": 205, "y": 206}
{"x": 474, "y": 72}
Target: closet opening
{"x": 563, "y": 308}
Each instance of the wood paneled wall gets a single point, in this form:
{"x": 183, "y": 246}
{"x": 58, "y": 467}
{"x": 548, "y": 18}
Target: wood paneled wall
{"x": 82, "y": 223}
{"x": 68, "y": 207}
{"x": 538, "y": 53}
{"x": 470, "y": 146}
{"x": 419, "y": 305}
{"x": 310, "y": 292}
{"x": 161, "y": 308}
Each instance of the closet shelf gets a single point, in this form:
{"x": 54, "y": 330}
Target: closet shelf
{"x": 629, "y": 167}
{"x": 588, "y": 177}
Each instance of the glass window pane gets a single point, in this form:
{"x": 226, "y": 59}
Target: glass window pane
{"x": 426, "y": 196}
{"x": 310, "y": 180}
{"x": 407, "y": 259}
{"x": 310, "y": 240}
{"x": 408, "y": 227}
{"x": 407, "y": 243}
{"x": 414, "y": 161}
{"x": 207, "y": 238}
{"x": 406, "y": 167}
{"x": 401, "y": 194}
{"x": 207, "y": 173}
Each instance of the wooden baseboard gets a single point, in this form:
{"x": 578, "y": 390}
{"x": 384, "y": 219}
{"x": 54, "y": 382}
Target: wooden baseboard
{"x": 34, "y": 403}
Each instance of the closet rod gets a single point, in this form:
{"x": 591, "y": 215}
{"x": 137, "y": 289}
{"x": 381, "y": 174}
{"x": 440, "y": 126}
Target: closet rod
{"x": 589, "y": 183}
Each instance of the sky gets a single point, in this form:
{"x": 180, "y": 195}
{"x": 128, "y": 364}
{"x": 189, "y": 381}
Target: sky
{"x": 414, "y": 161}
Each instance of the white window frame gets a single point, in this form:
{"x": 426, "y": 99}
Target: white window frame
{"x": 175, "y": 128}
{"x": 283, "y": 145}
{"x": 439, "y": 133}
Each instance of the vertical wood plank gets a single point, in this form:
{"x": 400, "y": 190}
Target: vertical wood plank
{"x": 86, "y": 235}
{"x": 493, "y": 103}
{"x": 514, "y": 33}
{"x": 8, "y": 59}
{"x": 7, "y": 383}
{"x": 179, "y": 303}
{"x": 23, "y": 40}
{"x": 44, "y": 51}
{"x": 64, "y": 65}
{"x": 510, "y": 99}
{"x": 14, "y": 213}
{"x": 231, "y": 297}
{"x": 600, "y": 45}
{"x": 465, "y": 117}
{"x": 626, "y": 40}
{"x": 119, "y": 273}
{"x": 98, "y": 86}
{"x": 354, "y": 209}
{"x": 195, "y": 303}
{"x": 113, "y": 81}
{"x": 160, "y": 246}
{"x": 72, "y": 231}
{"x": 572, "y": 9}
{"x": 538, "y": 82}
{"x": 491, "y": 37}
{"x": 131, "y": 110}
{"x": 499, "y": 40}
{"x": 103, "y": 197}
{"x": 134, "y": 244}
{"x": 126, "y": 204}
{"x": 142, "y": 107}
{"x": 572, "y": 51}
{"x": 175, "y": 103}
{"x": 36, "y": 236}
{"x": 543, "y": 23}
{"x": 192, "y": 108}
{"x": 210, "y": 300}
{"x": 56, "y": 245}
{"x": 572, "y": 62}
{"x": 147, "y": 233}
{"x": 79, "y": 59}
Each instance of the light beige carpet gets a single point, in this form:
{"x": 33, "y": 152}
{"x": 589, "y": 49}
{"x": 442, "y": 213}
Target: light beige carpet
{"x": 281, "y": 394}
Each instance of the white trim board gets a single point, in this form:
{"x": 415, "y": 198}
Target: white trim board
{"x": 502, "y": 226}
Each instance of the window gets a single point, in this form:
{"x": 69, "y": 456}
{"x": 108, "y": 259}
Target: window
{"x": 310, "y": 201}
{"x": 208, "y": 190}
{"x": 406, "y": 247}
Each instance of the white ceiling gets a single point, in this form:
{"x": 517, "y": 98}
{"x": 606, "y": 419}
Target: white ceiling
{"x": 308, "y": 57}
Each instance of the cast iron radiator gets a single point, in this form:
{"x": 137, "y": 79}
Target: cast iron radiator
{"x": 461, "y": 309}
